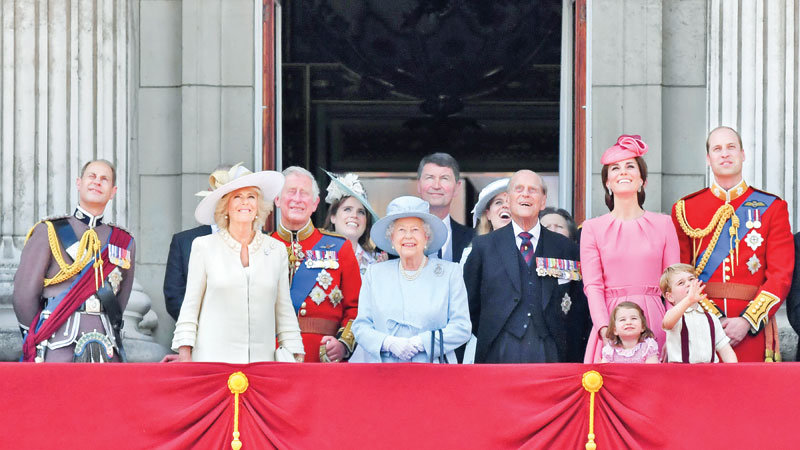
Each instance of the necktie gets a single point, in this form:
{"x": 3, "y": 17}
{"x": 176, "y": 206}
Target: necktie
{"x": 527, "y": 247}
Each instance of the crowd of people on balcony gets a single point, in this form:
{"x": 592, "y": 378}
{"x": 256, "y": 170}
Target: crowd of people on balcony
{"x": 524, "y": 284}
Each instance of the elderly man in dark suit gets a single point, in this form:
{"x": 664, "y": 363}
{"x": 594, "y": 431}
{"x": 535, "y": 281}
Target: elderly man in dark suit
{"x": 523, "y": 283}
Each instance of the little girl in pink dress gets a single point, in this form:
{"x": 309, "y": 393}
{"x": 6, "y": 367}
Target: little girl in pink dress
{"x": 630, "y": 339}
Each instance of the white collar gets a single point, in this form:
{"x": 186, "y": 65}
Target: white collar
{"x": 535, "y": 231}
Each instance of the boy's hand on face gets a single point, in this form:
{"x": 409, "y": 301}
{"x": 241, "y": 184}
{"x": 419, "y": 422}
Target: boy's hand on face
{"x": 696, "y": 293}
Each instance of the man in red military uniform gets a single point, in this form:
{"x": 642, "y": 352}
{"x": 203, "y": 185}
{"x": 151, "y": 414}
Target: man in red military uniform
{"x": 740, "y": 241}
{"x": 323, "y": 269}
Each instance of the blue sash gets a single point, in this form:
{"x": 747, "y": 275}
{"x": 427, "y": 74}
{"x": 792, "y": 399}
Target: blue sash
{"x": 305, "y": 278}
{"x": 755, "y": 201}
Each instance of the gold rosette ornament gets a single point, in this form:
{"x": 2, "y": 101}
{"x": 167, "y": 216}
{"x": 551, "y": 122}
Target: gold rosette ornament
{"x": 592, "y": 381}
{"x": 237, "y": 383}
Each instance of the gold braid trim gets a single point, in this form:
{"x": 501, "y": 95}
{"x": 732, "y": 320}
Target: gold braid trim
{"x": 717, "y": 223}
{"x": 709, "y": 306}
{"x": 757, "y": 312}
{"x": 88, "y": 248}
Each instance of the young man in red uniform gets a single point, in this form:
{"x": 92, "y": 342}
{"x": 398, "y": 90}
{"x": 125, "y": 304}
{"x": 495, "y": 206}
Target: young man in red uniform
{"x": 740, "y": 241}
{"x": 325, "y": 278}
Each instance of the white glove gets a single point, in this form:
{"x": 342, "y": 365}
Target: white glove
{"x": 402, "y": 348}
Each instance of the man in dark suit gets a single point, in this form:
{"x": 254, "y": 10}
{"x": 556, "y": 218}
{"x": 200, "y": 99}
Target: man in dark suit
{"x": 181, "y": 247}
{"x": 522, "y": 283}
{"x": 793, "y": 299}
{"x": 178, "y": 267}
{"x": 437, "y": 180}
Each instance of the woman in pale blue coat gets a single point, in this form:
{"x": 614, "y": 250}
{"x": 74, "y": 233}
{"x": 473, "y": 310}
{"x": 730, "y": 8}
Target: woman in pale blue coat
{"x": 404, "y": 301}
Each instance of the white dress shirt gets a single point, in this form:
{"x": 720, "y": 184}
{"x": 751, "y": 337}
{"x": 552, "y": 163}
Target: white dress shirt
{"x": 535, "y": 232}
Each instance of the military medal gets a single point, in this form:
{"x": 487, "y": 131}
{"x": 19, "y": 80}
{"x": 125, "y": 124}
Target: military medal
{"x": 317, "y": 295}
{"x": 566, "y": 303}
{"x": 119, "y": 256}
{"x": 753, "y": 264}
{"x": 336, "y": 296}
{"x": 757, "y": 222}
{"x": 749, "y": 223}
{"x": 324, "y": 279}
{"x": 754, "y": 239}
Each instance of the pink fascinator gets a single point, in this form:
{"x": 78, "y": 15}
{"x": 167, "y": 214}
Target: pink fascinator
{"x": 627, "y": 146}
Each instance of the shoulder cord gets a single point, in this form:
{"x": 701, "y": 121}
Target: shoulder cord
{"x": 717, "y": 223}
{"x": 88, "y": 248}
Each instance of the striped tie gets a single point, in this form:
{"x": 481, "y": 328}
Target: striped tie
{"x": 527, "y": 247}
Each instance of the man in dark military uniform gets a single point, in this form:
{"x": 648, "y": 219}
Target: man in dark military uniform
{"x": 324, "y": 272}
{"x": 740, "y": 242}
{"x": 74, "y": 279}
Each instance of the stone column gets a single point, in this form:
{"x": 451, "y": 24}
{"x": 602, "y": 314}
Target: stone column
{"x": 63, "y": 101}
{"x": 753, "y": 80}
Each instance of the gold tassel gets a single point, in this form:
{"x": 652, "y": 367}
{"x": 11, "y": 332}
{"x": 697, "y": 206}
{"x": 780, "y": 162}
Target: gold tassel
{"x": 592, "y": 381}
{"x": 237, "y": 383}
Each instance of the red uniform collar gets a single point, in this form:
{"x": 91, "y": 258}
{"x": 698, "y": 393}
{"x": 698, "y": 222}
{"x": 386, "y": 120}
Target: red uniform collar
{"x": 300, "y": 235}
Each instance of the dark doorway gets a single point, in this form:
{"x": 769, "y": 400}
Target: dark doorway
{"x": 372, "y": 86}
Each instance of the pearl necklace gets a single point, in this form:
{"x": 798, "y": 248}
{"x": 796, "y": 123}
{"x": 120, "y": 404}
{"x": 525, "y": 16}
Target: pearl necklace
{"x": 413, "y": 276}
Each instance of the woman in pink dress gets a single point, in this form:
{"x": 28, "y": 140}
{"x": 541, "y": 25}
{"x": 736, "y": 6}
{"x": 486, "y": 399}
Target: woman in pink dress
{"x": 623, "y": 253}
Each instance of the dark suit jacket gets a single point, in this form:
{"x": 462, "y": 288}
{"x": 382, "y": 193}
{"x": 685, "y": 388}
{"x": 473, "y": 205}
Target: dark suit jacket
{"x": 793, "y": 299}
{"x": 493, "y": 280}
{"x": 178, "y": 267}
{"x": 462, "y": 236}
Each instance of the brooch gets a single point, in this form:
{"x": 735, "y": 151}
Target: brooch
{"x": 438, "y": 271}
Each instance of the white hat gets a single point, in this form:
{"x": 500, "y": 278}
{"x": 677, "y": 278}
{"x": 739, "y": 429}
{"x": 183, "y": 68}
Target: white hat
{"x": 486, "y": 195}
{"x": 348, "y": 185}
{"x": 409, "y": 206}
{"x": 225, "y": 181}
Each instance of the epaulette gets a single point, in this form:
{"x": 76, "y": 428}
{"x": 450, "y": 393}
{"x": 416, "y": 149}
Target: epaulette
{"x": 46, "y": 219}
{"x": 694, "y": 194}
{"x": 119, "y": 227}
{"x": 767, "y": 193}
{"x": 330, "y": 233}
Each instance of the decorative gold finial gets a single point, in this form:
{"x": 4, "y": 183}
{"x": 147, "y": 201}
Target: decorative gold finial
{"x": 237, "y": 383}
{"x": 592, "y": 381}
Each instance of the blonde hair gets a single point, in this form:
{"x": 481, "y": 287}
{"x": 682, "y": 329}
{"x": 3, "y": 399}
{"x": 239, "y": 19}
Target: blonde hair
{"x": 665, "y": 283}
{"x": 611, "y": 331}
{"x": 221, "y": 211}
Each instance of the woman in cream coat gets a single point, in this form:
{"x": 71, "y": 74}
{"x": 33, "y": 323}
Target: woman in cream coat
{"x": 237, "y": 289}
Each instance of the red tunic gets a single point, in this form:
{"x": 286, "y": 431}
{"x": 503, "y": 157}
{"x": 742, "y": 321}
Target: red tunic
{"x": 763, "y": 274}
{"x": 346, "y": 278}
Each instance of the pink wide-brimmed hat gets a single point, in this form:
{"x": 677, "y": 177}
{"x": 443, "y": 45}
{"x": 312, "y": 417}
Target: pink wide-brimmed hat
{"x": 627, "y": 146}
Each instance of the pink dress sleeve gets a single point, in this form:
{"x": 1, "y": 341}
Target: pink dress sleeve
{"x": 593, "y": 282}
{"x": 608, "y": 353}
{"x": 672, "y": 250}
{"x": 652, "y": 348}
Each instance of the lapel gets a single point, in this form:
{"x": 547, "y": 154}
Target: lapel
{"x": 510, "y": 256}
{"x": 548, "y": 283}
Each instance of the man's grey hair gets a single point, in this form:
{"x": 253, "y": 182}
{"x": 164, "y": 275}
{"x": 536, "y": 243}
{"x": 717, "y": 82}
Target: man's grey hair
{"x": 510, "y": 187}
{"x": 440, "y": 159}
{"x": 297, "y": 170}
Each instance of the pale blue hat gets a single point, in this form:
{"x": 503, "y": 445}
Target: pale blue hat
{"x": 409, "y": 206}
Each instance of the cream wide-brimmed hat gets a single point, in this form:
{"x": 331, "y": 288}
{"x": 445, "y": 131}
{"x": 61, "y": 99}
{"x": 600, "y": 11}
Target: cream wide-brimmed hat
{"x": 487, "y": 194}
{"x": 409, "y": 206}
{"x": 226, "y": 181}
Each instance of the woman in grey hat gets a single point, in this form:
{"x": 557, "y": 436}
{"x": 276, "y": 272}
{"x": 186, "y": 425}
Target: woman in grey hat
{"x": 351, "y": 215}
{"x": 491, "y": 212}
{"x": 406, "y": 301}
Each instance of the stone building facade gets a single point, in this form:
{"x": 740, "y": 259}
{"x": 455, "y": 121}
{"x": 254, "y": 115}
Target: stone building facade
{"x": 168, "y": 89}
